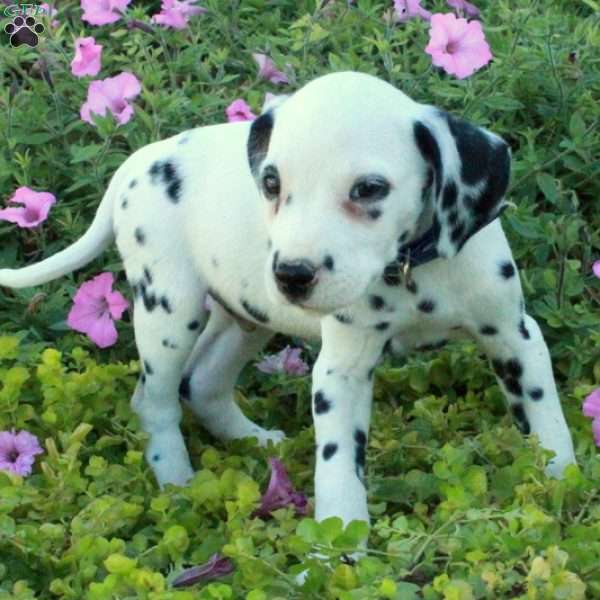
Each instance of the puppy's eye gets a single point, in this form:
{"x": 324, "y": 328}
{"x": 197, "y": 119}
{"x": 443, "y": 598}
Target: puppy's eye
{"x": 369, "y": 189}
{"x": 270, "y": 183}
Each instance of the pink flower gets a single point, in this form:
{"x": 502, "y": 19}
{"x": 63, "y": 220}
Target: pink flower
{"x": 591, "y": 405}
{"x": 464, "y": 7}
{"x": 596, "y": 431}
{"x": 94, "y": 307}
{"x": 267, "y": 69}
{"x": 596, "y": 268}
{"x": 176, "y": 13}
{"x": 87, "y": 57}
{"x": 35, "y": 209}
{"x": 280, "y": 493}
{"x": 17, "y": 451}
{"x": 287, "y": 361}
{"x": 217, "y": 566}
{"x": 50, "y": 11}
{"x": 408, "y": 9}
{"x": 238, "y": 110}
{"x": 457, "y": 45}
{"x": 102, "y": 12}
{"x": 111, "y": 94}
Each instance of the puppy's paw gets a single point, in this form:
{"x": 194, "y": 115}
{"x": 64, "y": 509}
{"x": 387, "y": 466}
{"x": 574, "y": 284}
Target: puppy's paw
{"x": 268, "y": 435}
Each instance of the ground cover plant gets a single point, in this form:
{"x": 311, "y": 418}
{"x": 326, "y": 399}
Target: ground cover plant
{"x": 461, "y": 508}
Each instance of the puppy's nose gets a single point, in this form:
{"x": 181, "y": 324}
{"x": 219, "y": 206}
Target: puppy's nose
{"x": 295, "y": 279}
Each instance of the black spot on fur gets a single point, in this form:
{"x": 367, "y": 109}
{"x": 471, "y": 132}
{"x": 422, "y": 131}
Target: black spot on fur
{"x": 329, "y": 450}
{"x": 514, "y": 368}
{"x": 403, "y": 237}
{"x": 184, "y": 387}
{"x": 507, "y": 270}
{"x": 219, "y": 300}
{"x": 536, "y": 393}
{"x": 164, "y": 302}
{"x": 166, "y": 173}
{"x": 360, "y": 451}
{"x": 169, "y": 344}
{"x": 193, "y": 325}
{"x": 132, "y": 183}
{"x": 452, "y": 218}
{"x": 387, "y": 347}
{"x": 426, "y": 306}
{"x": 275, "y": 261}
{"x": 156, "y": 457}
{"x": 450, "y": 195}
{"x": 124, "y": 203}
{"x": 346, "y": 320}
{"x": 148, "y": 275}
{"x": 521, "y": 418}
{"x": 328, "y": 263}
{"x": 254, "y": 312}
{"x": 523, "y": 330}
{"x": 457, "y": 233}
{"x": 376, "y": 302}
{"x": 148, "y": 368}
{"x": 488, "y": 330}
{"x": 513, "y": 386}
{"x": 391, "y": 275}
{"x": 382, "y": 326}
{"x": 140, "y": 236}
{"x": 143, "y": 378}
{"x": 322, "y": 405}
{"x": 258, "y": 140}
{"x": 411, "y": 286}
{"x": 371, "y": 373}
{"x": 374, "y": 214}
{"x": 148, "y": 297}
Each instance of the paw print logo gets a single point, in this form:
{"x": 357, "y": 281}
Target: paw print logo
{"x": 24, "y": 31}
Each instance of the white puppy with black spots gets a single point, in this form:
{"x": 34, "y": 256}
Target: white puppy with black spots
{"x": 346, "y": 211}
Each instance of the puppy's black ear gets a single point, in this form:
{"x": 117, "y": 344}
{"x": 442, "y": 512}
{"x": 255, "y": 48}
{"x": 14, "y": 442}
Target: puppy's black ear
{"x": 258, "y": 140}
{"x": 471, "y": 169}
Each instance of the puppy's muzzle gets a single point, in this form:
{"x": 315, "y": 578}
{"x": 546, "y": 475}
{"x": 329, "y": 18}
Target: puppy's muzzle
{"x": 295, "y": 279}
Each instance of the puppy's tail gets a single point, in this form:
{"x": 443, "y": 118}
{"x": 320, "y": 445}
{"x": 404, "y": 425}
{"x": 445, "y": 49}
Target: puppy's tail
{"x": 93, "y": 242}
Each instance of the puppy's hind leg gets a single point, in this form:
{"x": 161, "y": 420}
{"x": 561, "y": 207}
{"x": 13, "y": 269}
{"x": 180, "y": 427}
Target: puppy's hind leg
{"x": 168, "y": 315}
{"x": 212, "y": 371}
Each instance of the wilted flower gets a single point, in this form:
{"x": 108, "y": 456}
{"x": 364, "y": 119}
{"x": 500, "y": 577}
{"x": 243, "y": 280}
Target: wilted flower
{"x": 457, "y": 45}
{"x": 95, "y": 307}
{"x": 217, "y": 566}
{"x": 87, "y": 57}
{"x": 596, "y": 268}
{"x": 280, "y": 493}
{"x": 267, "y": 69}
{"x": 111, "y": 94}
{"x": 287, "y": 361}
{"x": 176, "y": 13}
{"x": 17, "y": 451}
{"x": 238, "y": 110}
{"x": 408, "y": 9}
{"x": 102, "y": 12}
{"x": 463, "y": 6}
{"x": 591, "y": 408}
{"x": 35, "y": 209}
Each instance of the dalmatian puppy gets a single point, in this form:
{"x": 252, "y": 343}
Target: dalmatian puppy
{"x": 346, "y": 212}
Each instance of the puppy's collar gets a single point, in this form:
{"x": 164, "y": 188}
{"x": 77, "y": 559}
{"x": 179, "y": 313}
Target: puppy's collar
{"x": 419, "y": 251}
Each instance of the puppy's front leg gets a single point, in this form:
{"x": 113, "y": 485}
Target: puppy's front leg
{"x": 342, "y": 395}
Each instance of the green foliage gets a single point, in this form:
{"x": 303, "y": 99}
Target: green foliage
{"x": 461, "y": 508}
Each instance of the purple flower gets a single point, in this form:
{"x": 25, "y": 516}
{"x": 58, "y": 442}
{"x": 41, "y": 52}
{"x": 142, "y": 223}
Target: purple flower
{"x": 287, "y": 361}
{"x": 17, "y": 451}
{"x": 176, "y": 13}
{"x": 217, "y": 566}
{"x": 267, "y": 69}
{"x": 280, "y": 493}
{"x": 111, "y": 94}
{"x": 88, "y": 56}
{"x": 464, "y": 7}
{"x": 596, "y": 268}
{"x": 239, "y": 110}
{"x": 34, "y": 210}
{"x": 95, "y": 308}
{"x": 591, "y": 408}
{"x": 102, "y": 12}
{"x": 408, "y": 9}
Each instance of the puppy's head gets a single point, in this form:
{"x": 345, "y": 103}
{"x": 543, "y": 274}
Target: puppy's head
{"x": 350, "y": 170}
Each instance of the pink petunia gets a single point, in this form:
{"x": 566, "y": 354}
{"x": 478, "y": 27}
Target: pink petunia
{"x": 457, "y": 45}
{"x": 95, "y": 308}
{"x": 596, "y": 431}
{"x": 238, "y": 110}
{"x": 102, "y": 12}
{"x": 591, "y": 405}
{"x": 408, "y": 9}
{"x": 35, "y": 209}
{"x": 50, "y": 12}
{"x": 217, "y": 566}
{"x": 111, "y": 94}
{"x": 88, "y": 56}
{"x": 17, "y": 451}
{"x": 280, "y": 493}
{"x": 464, "y": 7}
{"x": 267, "y": 69}
{"x": 176, "y": 13}
{"x": 596, "y": 269}
{"x": 287, "y": 361}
